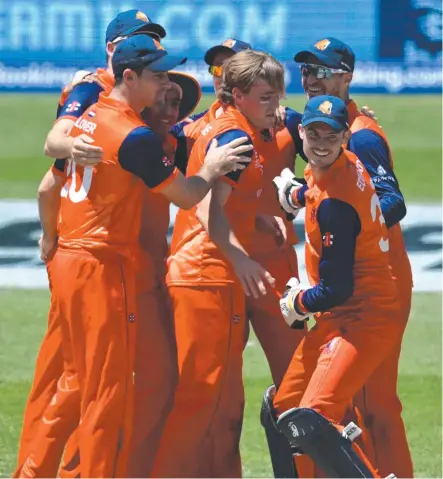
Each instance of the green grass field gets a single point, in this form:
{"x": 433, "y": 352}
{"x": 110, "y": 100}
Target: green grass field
{"x": 413, "y": 125}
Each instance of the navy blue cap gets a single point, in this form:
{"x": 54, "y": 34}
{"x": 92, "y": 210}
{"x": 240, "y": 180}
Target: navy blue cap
{"x": 143, "y": 51}
{"x": 331, "y": 53}
{"x": 132, "y": 21}
{"x": 326, "y": 109}
{"x": 231, "y": 45}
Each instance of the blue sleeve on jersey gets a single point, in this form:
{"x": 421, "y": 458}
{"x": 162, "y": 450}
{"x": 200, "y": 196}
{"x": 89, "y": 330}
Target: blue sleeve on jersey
{"x": 80, "y": 99}
{"x": 293, "y": 119}
{"x": 181, "y": 152}
{"x": 373, "y": 152}
{"x": 227, "y": 137}
{"x": 60, "y": 165}
{"x": 177, "y": 129}
{"x": 141, "y": 153}
{"x": 301, "y": 194}
{"x": 339, "y": 226}
{"x": 197, "y": 116}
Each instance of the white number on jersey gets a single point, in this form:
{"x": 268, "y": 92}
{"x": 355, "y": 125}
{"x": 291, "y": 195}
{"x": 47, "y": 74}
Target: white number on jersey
{"x": 72, "y": 193}
{"x": 375, "y": 205}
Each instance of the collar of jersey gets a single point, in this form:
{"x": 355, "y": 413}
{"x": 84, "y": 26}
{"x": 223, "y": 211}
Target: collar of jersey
{"x": 114, "y": 104}
{"x": 325, "y": 178}
{"x": 234, "y": 112}
{"x": 106, "y": 78}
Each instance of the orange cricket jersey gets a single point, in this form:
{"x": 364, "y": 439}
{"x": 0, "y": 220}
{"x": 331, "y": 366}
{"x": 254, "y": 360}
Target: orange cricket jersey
{"x": 399, "y": 259}
{"x": 101, "y": 205}
{"x": 347, "y": 180}
{"x": 194, "y": 258}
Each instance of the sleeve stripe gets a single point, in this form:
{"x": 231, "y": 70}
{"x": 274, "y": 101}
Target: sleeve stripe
{"x": 167, "y": 181}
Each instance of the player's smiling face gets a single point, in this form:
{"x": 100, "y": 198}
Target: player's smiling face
{"x": 259, "y": 104}
{"x": 165, "y": 112}
{"x": 336, "y": 85}
{"x": 322, "y": 144}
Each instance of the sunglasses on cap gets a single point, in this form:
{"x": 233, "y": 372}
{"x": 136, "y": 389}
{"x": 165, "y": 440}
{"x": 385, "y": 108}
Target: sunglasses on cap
{"x": 215, "y": 71}
{"x": 319, "y": 72}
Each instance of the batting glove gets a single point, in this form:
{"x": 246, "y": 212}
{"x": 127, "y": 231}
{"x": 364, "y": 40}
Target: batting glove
{"x": 287, "y": 188}
{"x": 288, "y": 304}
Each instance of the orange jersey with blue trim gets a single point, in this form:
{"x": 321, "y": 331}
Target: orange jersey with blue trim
{"x": 370, "y": 144}
{"x": 194, "y": 258}
{"x": 101, "y": 205}
{"x": 75, "y": 100}
{"x": 347, "y": 245}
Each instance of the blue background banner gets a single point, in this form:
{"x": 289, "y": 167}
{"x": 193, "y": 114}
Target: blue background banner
{"x": 397, "y": 42}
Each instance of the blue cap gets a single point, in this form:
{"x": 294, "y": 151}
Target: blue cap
{"x": 326, "y": 109}
{"x": 143, "y": 51}
{"x": 230, "y": 45}
{"x": 331, "y": 53}
{"x": 132, "y": 21}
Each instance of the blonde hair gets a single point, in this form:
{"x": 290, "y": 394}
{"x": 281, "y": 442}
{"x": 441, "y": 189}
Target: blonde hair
{"x": 246, "y": 67}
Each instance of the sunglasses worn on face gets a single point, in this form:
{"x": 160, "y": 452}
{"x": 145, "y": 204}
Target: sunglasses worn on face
{"x": 319, "y": 71}
{"x": 215, "y": 71}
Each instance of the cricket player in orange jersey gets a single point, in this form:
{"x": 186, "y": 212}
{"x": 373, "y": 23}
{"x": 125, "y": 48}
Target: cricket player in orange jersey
{"x": 209, "y": 273}
{"x": 327, "y": 68}
{"x": 76, "y": 97}
{"x": 103, "y": 248}
{"x": 353, "y": 296}
{"x": 273, "y": 252}
{"x": 155, "y": 340}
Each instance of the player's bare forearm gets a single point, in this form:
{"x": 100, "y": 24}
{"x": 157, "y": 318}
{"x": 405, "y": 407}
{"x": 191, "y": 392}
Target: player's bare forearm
{"x": 49, "y": 203}
{"x": 58, "y": 144}
{"x": 212, "y": 216}
{"x": 188, "y": 192}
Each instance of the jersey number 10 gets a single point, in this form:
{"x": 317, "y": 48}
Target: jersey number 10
{"x": 72, "y": 193}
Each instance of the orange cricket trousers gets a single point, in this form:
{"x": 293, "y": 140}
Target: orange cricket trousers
{"x": 96, "y": 299}
{"x": 275, "y": 337}
{"x": 47, "y": 416}
{"x": 377, "y": 406}
{"x": 333, "y": 362}
{"x": 201, "y": 438}
{"x": 155, "y": 380}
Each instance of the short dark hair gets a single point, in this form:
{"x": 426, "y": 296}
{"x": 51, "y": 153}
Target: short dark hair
{"x": 118, "y": 77}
